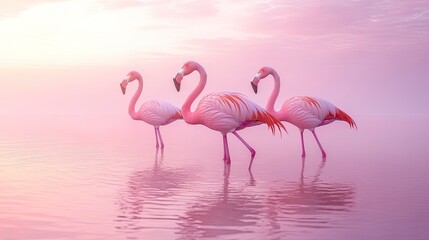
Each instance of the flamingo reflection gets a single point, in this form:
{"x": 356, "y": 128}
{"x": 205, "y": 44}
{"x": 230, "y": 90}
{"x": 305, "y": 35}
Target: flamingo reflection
{"x": 147, "y": 192}
{"x": 231, "y": 210}
{"x": 270, "y": 209}
{"x": 308, "y": 203}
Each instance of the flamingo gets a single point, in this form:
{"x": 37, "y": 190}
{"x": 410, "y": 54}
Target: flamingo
{"x": 225, "y": 112}
{"x": 302, "y": 111}
{"x": 156, "y": 113}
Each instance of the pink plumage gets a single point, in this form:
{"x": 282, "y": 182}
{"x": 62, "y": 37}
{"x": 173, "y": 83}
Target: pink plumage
{"x": 226, "y": 112}
{"x": 302, "y": 111}
{"x": 311, "y": 112}
{"x": 155, "y": 112}
{"x": 229, "y": 111}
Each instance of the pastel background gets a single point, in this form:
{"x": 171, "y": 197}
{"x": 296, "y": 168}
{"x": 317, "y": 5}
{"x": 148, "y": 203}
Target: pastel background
{"x": 370, "y": 57}
{"x": 61, "y": 63}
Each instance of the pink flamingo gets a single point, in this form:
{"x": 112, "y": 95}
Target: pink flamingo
{"x": 302, "y": 111}
{"x": 154, "y": 112}
{"x": 224, "y": 112}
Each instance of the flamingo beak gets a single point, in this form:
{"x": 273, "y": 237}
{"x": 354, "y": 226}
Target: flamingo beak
{"x": 256, "y": 79}
{"x": 178, "y": 78}
{"x": 177, "y": 84}
{"x": 254, "y": 86}
{"x": 123, "y": 85}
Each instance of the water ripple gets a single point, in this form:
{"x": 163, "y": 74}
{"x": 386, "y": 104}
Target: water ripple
{"x": 107, "y": 189}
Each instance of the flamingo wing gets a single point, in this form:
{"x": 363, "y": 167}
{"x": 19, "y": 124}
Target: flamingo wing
{"x": 329, "y": 112}
{"x": 310, "y": 112}
{"x": 159, "y": 113}
{"x": 229, "y": 111}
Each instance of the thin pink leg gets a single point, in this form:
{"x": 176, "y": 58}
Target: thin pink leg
{"x": 156, "y": 137}
{"x": 252, "y": 151}
{"x": 160, "y": 138}
{"x": 302, "y": 143}
{"x": 224, "y": 146}
{"x": 320, "y": 145}
{"x": 227, "y": 158}
{"x": 302, "y": 168}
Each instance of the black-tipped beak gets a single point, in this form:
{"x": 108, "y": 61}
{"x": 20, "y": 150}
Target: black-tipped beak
{"x": 255, "y": 87}
{"x": 177, "y": 84}
{"x": 122, "y": 88}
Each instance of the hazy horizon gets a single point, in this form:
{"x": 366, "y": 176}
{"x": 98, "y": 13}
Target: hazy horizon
{"x": 366, "y": 57}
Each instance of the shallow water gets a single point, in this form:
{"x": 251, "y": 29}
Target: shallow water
{"x": 115, "y": 185}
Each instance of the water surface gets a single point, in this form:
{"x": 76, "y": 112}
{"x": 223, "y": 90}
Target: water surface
{"x": 113, "y": 184}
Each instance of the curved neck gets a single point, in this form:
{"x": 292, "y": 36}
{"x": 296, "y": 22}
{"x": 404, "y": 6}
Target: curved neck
{"x": 275, "y": 93}
{"x": 186, "y": 108}
{"x": 131, "y": 107}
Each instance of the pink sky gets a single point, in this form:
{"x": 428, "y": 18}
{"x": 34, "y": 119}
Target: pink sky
{"x": 68, "y": 57}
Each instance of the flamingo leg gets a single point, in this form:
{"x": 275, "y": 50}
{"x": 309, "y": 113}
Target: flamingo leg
{"x": 160, "y": 138}
{"x": 252, "y": 151}
{"x": 302, "y": 143}
{"x": 156, "y": 137}
{"x": 224, "y": 147}
{"x": 227, "y": 158}
{"x": 224, "y": 152}
{"x": 320, "y": 145}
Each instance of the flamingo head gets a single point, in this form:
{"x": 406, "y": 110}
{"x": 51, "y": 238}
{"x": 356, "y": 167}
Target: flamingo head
{"x": 255, "y": 82}
{"x": 186, "y": 69}
{"x": 178, "y": 78}
{"x": 263, "y": 73}
{"x": 133, "y": 75}
{"x": 123, "y": 85}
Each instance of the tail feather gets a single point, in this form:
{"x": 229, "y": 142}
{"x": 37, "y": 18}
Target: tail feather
{"x": 340, "y": 115}
{"x": 177, "y": 115}
{"x": 269, "y": 119}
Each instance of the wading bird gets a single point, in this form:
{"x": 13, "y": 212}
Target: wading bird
{"x": 156, "y": 113}
{"x": 302, "y": 111}
{"x": 225, "y": 112}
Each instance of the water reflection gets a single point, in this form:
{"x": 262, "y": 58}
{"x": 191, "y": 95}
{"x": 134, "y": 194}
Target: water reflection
{"x": 149, "y": 201}
{"x": 70, "y": 188}
{"x": 309, "y": 202}
{"x": 232, "y": 209}
{"x": 273, "y": 209}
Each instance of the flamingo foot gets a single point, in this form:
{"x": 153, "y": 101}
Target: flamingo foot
{"x": 226, "y": 170}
